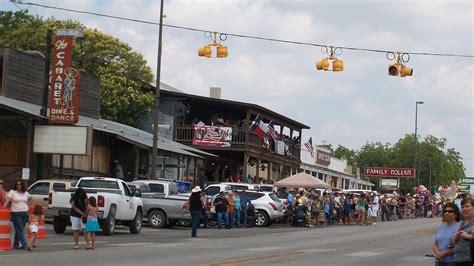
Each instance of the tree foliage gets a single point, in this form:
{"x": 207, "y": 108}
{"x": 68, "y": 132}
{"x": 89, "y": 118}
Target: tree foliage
{"x": 125, "y": 77}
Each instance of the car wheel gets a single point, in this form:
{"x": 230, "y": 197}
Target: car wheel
{"x": 136, "y": 224}
{"x": 157, "y": 219}
{"x": 109, "y": 224}
{"x": 261, "y": 219}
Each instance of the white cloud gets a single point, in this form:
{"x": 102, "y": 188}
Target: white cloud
{"x": 350, "y": 108}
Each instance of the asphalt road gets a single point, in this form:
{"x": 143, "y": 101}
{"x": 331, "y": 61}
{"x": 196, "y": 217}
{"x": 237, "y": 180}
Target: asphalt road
{"x": 404, "y": 242}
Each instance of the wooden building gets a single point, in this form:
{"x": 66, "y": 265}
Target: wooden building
{"x": 21, "y": 91}
{"x": 247, "y": 153}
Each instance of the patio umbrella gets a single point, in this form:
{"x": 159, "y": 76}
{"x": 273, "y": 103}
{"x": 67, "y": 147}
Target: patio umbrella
{"x": 302, "y": 180}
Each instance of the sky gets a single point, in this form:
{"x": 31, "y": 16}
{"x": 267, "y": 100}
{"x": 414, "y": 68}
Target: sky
{"x": 350, "y": 108}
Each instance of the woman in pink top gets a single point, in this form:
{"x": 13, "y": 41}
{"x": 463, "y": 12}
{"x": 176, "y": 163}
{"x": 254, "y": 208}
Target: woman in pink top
{"x": 20, "y": 200}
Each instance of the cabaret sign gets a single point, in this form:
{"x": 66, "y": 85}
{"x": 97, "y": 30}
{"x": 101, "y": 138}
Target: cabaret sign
{"x": 389, "y": 172}
{"x": 65, "y": 84}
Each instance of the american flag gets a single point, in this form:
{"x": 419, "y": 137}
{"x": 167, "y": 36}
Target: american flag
{"x": 271, "y": 131}
{"x": 309, "y": 146}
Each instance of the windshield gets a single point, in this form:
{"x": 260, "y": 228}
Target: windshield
{"x": 98, "y": 184}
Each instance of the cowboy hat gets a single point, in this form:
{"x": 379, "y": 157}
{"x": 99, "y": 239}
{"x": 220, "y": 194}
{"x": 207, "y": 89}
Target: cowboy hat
{"x": 196, "y": 189}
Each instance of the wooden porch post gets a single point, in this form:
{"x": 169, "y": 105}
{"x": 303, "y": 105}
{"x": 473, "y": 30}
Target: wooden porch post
{"x": 246, "y": 158}
{"x": 136, "y": 151}
{"x": 270, "y": 171}
{"x": 258, "y": 169}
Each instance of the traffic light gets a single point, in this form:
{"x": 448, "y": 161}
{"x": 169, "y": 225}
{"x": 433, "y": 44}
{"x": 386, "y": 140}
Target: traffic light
{"x": 405, "y": 71}
{"x": 323, "y": 64}
{"x": 205, "y": 51}
{"x": 399, "y": 69}
{"x": 393, "y": 70}
{"x": 337, "y": 65}
{"x": 222, "y": 51}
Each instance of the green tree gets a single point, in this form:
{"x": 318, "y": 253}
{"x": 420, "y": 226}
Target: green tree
{"x": 126, "y": 93}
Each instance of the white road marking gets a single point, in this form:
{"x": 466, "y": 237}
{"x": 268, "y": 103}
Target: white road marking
{"x": 167, "y": 245}
{"x": 130, "y": 244}
{"x": 364, "y": 254}
{"x": 72, "y": 243}
{"x": 319, "y": 250}
{"x": 264, "y": 248}
{"x": 415, "y": 258}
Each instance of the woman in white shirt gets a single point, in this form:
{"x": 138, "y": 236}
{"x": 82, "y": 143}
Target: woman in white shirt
{"x": 20, "y": 200}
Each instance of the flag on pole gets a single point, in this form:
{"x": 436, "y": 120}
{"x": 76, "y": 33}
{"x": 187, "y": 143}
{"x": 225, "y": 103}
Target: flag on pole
{"x": 271, "y": 131}
{"x": 309, "y": 146}
{"x": 258, "y": 128}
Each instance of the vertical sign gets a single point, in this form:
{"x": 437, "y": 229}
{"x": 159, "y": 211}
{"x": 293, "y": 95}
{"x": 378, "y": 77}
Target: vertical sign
{"x": 64, "y": 94}
{"x": 25, "y": 174}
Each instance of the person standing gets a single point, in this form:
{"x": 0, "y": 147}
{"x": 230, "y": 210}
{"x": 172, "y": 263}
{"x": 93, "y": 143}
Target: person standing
{"x": 230, "y": 208}
{"x": 221, "y": 209}
{"x": 20, "y": 200}
{"x": 78, "y": 211}
{"x": 203, "y": 210}
{"x": 361, "y": 209}
{"x": 195, "y": 209}
{"x": 442, "y": 248}
{"x": 92, "y": 225}
{"x": 237, "y": 206}
{"x": 464, "y": 235}
{"x": 3, "y": 194}
{"x": 244, "y": 206}
{"x": 118, "y": 170}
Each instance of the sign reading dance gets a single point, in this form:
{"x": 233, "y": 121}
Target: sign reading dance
{"x": 65, "y": 84}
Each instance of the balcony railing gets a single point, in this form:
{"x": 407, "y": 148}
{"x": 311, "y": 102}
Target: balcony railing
{"x": 186, "y": 134}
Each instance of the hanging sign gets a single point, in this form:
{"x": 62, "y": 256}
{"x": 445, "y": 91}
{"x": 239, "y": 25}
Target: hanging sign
{"x": 65, "y": 84}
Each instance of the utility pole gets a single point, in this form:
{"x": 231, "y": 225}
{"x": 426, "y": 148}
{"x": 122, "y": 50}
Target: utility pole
{"x": 156, "y": 109}
{"x": 44, "y": 103}
{"x": 415, "y": 181}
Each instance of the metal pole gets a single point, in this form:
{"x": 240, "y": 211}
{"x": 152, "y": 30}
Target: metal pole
{"x": 157, "y": 99}
{"x": 44, "y": 103}
{"x": 430, "y": 174}
{"x": 416, "y": 139}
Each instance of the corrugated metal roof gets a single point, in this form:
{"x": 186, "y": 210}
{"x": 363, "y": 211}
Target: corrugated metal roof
{"x": 25, "y": 107}
{"x": 124, "y": 132}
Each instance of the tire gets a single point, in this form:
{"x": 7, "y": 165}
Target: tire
{"x": 157, "y": 219}
{"x": 59, "y": 225}
{"x": 108, "y": 225}
{"x": 261, "y": 219}
{"x": 136, "y": 224}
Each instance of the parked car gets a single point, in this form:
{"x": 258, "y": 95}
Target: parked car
{"x": 157, "y": 187}
{"x": 268, "y": 207}
{"x": 116, "y": 202}
{"x": 214, "y": 189}
{"x": 40, "y": 190}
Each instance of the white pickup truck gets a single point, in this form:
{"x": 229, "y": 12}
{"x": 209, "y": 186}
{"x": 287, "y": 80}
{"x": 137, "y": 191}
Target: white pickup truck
{"x": 116, "y": 202}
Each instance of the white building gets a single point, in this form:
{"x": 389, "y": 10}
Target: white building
{"x": 332, "y": 170}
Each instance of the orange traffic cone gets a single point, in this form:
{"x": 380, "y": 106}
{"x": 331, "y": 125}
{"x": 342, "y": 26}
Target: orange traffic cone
{"x": 5, "y": 230}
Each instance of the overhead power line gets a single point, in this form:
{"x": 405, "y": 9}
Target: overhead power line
{"x": 239, "y": 35}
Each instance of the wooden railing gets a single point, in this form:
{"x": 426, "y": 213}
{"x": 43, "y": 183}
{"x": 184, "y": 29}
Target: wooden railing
{"x": 186, "y": 133}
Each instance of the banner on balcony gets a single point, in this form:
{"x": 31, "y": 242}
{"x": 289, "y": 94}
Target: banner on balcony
{"x": 212, "y": 136}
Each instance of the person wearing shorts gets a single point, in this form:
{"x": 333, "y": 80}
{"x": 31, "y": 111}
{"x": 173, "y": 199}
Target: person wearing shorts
{"x": 78, "y": 209}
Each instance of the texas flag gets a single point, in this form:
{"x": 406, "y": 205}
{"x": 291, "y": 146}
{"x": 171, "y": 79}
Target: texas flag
{"x": 259, "y": 127}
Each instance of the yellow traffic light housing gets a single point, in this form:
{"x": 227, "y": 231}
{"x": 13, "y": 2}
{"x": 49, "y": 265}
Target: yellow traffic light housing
{"x": 399, "y": 69}
{"x": 323, "y": 64}
{"x": 393, "y": 70}
{"x": 337, "y": 64}
{"x": 405, "y": 71}
{"x": 205, "y": 51}
{"x": 221, "y": 50}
